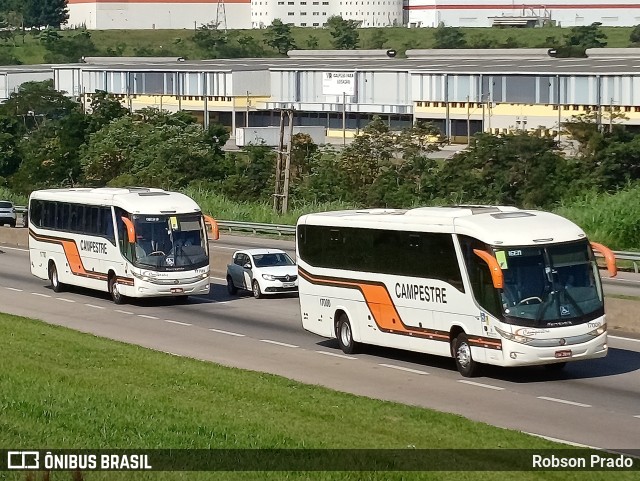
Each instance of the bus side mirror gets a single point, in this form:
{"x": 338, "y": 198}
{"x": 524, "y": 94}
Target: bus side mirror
{"x": 609, "y": 258}
{"x": 496, "y": 273}
{"x": 131, "y": 231}
{"x": 213, "y": 225}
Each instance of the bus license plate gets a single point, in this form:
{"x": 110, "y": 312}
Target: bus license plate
{"x": 288, "y": 284}
{"x": 564, "y": 353}
{"x": 176, "y": 290}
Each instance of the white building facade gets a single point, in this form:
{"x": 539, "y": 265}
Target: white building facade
{"x": 314, "y": 13}
{"x": 158, "y": 14}
{"x": 486, "y": 13}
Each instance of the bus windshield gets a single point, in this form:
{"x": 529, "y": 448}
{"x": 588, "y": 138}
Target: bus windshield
{"x": 550, "y": 285}
{"x": 170, "y": 242}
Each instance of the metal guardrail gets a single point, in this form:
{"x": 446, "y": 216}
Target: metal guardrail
{"x": 289, "y": 230}
{"x": 254, "y": 227}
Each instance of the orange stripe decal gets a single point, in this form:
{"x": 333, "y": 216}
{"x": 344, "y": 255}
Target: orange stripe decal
{"x": 384, "y": 312}
{"x": 74, "y": 260}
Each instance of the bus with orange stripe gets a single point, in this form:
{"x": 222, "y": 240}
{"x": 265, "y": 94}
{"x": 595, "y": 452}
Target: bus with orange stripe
{"x": 482, "y": 284}
{"x": 130, "y": 242}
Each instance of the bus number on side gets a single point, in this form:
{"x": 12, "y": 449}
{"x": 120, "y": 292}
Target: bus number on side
{"x": 325, "y": 302}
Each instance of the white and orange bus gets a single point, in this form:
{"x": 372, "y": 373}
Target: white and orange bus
{"x": 131, "y": 242}
{"x": 483, "y": 284}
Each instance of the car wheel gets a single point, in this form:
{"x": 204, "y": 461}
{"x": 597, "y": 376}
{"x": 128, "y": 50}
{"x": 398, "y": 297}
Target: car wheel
{"x": 461, "y": 350}
{"x": 54, "y": 280}
{"x": 344, "y": 333}
{"x": 13, "y": 224}
{"x": 231, "y": 288}
{"x": 257, "y": 293}
{"x": 116, "y": 295}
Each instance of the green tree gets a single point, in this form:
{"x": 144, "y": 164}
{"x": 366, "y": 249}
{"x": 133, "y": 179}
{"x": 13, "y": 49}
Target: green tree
{"x": 634, "y": 36}
{"x": 36, "y": 102}
{"x": 45, "y": 13}
{"x": 377, "y": 38}
{"x": 9, "y": 145}
{"x": 213, "y": 42}
{"x": 448, "y": 37}
{"x": 311, "y": 42}
{"x": 586, "y": 36}
{"x": 279, "y": 37}
{"x": 515, "y": 169}
{"x": 51, "y": 154}
{"x": 104, "y": 109}
{"x": 68, "y": 48}
{"x": 344, "y": 33}
{"x": 367, "y": 157}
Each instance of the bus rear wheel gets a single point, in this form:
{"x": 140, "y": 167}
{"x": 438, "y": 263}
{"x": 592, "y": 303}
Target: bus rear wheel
{"x": 461, "y": 350}
{"x": 116, "y": 295}
{"x": 54, "y": 280}
{"x": 344, "y": 333}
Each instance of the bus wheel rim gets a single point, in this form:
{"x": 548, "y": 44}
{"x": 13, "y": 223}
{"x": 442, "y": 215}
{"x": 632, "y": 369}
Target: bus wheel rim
{"x": 345, "y": 333}
{"x": 464, "y": 354}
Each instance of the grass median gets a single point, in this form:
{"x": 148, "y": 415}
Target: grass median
{"x": 64, "y": 389}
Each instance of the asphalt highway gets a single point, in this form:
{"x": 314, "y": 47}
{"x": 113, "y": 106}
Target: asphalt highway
{"x": 593, "y": 403}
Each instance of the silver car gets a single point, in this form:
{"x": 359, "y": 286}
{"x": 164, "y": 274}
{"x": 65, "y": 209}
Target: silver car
{"x": 7, "y": 213}
{"x": 262, "y": 271}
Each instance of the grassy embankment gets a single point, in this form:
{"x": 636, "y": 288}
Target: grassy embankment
{"x": 178, "y": 42}
{"x": 64, "y": 389}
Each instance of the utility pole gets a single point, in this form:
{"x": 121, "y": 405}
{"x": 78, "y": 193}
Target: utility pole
{"x": 246, "y": 119}
{"x": 277, "y": 194}
{"x": 344, "y": 119}
{"x": 468, "y": 122}
{"x": 287, "y": 168}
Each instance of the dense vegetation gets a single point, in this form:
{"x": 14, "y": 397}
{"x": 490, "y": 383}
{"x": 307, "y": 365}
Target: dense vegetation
{"x": 50, "y": 45}
{"x": 48, "y": 140}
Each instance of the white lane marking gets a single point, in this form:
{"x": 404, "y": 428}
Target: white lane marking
{"x": 637, "y": 416}
{"x": 177, "y": 322}
{"x": 41, "y": 295}
{"x": 94, "y": 306}
{"x": 284, "y": 344}
{"x": 226, "y": 248}
{"x": 172, "y": 353}
{"x": 479, "y": 384}
{"x": 14, "y": 289}
{"x": 148, "y": 317}
{"x": 228, "y": 333}
{"x": 342, "y": 356}
{"x": 64, "y": 300}
{"x": 124, "y": 312}
{"x": 217, "y": 278}
{"x": 407, "y": 369}
{"x": 623, "y": 338}
{"x": 564, "y": 401}
{"x": 563, "y": 441}
{"x": 14, "y": 248}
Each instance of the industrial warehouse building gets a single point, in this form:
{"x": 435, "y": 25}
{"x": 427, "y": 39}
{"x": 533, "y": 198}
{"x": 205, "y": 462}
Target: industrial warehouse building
{"x": 243, "y": 14}
{"x": 462, "y": 91}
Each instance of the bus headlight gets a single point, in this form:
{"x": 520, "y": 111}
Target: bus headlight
{"x": 204, "y": 276}
{"x": 140, "y": 276}
{"x": 268, "y": 277}
{"x": 598, "y": 331}
{"x": 514, "y": 337}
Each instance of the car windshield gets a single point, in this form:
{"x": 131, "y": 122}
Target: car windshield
{"x": 550, "y": 284}
{"x": 5, "y": 205}
{"x": 170, "y": 242}
{"x": 272, "y": 259}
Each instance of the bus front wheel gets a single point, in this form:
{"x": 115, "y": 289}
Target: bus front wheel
{"x": 344, "y": 333}
{"x": 116, "y": 295}
{"x": 56, "y": 285}
{"x": 462, "y": 354}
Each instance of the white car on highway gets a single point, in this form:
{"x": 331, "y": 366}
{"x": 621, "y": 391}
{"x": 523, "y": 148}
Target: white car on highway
{"x": 262, "y": 271}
